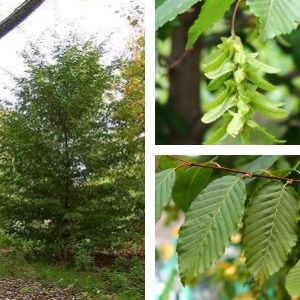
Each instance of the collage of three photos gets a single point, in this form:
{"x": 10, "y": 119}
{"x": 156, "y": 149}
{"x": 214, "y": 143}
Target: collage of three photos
{"x": 91, "y": 207}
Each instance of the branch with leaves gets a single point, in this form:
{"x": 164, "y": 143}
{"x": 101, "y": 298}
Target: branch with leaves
{"x": 215, "y": 166}
{"x": 218, "y": 206}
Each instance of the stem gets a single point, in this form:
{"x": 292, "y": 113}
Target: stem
{"x": 179, "y": 60}
{"x": 246, "y": 174}
{"x": 233, "y": 18}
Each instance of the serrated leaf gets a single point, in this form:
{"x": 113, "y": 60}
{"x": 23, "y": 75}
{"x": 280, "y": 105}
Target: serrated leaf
{"x": 293, "y": 281}
{"x": 189, "y": 184}
{"x": 163, "y": 190}
{"x": 276, "y": 16}
{"x": 280, "y": 173}
{"x": 210, "y": 222}
{"x": 270, "y": 229}
{"x": 170, "y": 9}
{"x": 211, "y": 12}
{"x": 218, "y": 111}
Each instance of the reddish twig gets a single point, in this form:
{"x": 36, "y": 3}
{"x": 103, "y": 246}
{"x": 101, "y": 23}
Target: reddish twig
{"x": 212, "y": 165}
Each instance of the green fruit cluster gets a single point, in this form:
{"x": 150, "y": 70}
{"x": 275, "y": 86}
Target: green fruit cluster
{"x": 234, "y": 75}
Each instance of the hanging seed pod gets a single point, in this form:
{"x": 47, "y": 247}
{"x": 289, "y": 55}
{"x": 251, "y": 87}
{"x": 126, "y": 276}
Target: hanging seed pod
{"x": 234, "y": 76}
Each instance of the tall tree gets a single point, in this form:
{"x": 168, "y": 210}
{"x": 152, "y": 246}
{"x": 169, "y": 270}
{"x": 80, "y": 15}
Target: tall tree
{"x": 51, "y": 148}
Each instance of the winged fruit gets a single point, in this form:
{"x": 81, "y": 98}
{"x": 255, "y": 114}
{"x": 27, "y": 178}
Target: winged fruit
{"x": 234, "y": 75}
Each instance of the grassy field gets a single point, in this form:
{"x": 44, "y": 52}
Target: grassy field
{"x": 121, "y": 278}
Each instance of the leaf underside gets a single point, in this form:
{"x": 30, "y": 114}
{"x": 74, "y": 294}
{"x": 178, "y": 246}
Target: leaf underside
{"x": 276, "y": 16}
{"x": 210, "y": 222}
{"x": 189, "y": 184}
{"x": 260, "y": 165}
{"x": 170, "y": 9}
{"x": 163, "y": 189}
{"x": 293, "y": 281}
{"x": 270, "y": 229}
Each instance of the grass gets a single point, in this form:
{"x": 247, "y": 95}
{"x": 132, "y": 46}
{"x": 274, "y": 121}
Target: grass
{"x": 123, "y": 279}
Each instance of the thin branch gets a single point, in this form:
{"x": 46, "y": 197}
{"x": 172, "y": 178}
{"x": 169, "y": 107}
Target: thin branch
{"x": 215, "y": 166}
{"x": 18, "y": 16}
{"x": 179, "y": 60}
{"x": 233, "y": 18}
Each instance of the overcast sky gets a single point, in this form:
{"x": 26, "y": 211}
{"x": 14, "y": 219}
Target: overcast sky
{"x": 103, "y": 19}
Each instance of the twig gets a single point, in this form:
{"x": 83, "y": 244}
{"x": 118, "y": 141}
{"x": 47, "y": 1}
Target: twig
{"x": 233, "y": 18}
{"x": 246, "y": 174}
{"x": 179, "y": 60}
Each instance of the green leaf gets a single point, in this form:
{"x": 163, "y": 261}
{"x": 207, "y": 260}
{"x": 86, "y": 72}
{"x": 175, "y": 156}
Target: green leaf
{"x": 263, "y": 162}
{"x": 166, "y": 162}
{"x": 163, "y": 189}
{"x": 211, "y": 12}
{"x": 276, "y": 16}
{"x": 293, "y": 281}
{"x": 270, "y": 229}
{"x": 210, "y": 222}
{"x": 189, "y": 184}
{"x": 170, "y": 9}
{"x": 259, "y": 165}
{"x": 218, "y": 111}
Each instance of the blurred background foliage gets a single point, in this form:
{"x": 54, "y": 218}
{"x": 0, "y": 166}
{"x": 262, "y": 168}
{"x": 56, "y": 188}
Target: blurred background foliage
{"x": 229, "y": 278}
{"x": 181, "y": 88}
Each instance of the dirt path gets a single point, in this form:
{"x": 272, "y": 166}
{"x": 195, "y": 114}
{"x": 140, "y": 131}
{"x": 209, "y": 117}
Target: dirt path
{"x": 18, "y": 289}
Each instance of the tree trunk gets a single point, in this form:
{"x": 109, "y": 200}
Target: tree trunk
{"x": 18, "y": 16}
{"x": 185, "y": 83}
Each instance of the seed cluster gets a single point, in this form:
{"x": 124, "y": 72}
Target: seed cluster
{"x": 234, "y": 75}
